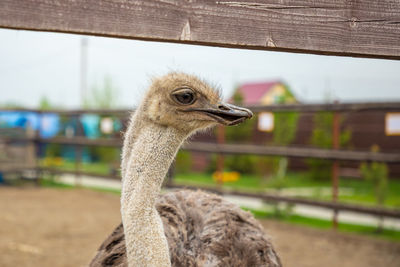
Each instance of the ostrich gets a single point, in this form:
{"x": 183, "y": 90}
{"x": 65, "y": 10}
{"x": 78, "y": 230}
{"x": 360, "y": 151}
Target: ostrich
{"x": 181, "y": 228}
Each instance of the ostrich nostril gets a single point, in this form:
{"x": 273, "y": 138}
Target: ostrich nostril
{"x": 223, "y": 107}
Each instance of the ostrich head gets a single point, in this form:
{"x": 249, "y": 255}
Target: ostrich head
{"x": 187, "y": 103}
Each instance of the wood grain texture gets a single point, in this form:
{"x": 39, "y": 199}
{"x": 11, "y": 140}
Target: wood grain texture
{"x": 367, "y": 28}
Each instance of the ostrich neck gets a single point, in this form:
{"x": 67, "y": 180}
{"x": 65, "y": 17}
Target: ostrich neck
{"x": 146, "y": 160}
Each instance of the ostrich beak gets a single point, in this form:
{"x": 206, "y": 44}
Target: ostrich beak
{"x": 226, "y": 114}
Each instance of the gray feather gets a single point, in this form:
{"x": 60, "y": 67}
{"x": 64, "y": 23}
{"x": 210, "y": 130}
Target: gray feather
{"x": 202, "y": 229}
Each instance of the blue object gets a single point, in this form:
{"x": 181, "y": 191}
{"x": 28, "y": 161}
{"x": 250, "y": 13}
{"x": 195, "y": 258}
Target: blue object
{"x": 90, "y": 124}
{"x": 12, "y": 119}
{"x": 50, "y": 125}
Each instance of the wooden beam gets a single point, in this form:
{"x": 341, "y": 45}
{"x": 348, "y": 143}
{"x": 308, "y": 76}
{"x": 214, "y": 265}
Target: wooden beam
{"x": 375, "y": 211}
{"x": 296, "y": 152}
{"x": 393, "y": 213}
{"x": 343, "y": 107}
{"x": 365, "y": 28}
{"x": 233, "y": 149}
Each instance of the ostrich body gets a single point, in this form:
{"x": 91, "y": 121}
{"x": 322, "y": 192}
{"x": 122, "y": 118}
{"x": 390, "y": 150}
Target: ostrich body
{"x": 182, "y": 228}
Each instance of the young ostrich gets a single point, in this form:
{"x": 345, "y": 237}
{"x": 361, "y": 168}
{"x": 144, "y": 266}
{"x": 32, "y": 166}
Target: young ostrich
{"x": 182, "y": 228}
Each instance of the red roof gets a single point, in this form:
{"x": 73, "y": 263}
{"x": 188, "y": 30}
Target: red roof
{"x": 253, "y": 92}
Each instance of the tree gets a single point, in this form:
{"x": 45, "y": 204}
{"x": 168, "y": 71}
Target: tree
{"x": 322, "y": 137}
{"x": 377, "y": 174}
{"x": 44, "y": 103}
{"x": 103, "y": 96}
{"x": 240, "y": 133}
{"x": 284, "y": 132}
{"x": 285, "y": 128}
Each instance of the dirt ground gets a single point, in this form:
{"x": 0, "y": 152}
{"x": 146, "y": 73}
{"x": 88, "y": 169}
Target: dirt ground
{"x": 64, "y": 227}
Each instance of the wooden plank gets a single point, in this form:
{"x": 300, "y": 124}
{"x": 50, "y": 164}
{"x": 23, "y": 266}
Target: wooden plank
{"x": 74, "y": 112}
{"x": 267, "y": 197}
{"x": 367, "y": 28}
{"x": 82, "y": 141}
{"x": 392, "y": 213}
{"x": 237, "y": 149}
{"x": 296, "y": 152}
{"x": 342, "y": 107}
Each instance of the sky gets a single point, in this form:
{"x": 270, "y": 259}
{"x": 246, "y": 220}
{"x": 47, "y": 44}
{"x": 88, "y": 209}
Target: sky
{"x": 38, "y": 64}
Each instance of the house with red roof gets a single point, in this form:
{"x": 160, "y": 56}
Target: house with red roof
{"x": 263, "y": 93}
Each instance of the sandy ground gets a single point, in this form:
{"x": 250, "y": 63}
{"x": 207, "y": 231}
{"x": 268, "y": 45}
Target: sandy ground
{"x": 55, "y": 227}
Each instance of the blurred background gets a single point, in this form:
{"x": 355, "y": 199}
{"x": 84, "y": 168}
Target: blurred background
{"x": 318, "y": 165}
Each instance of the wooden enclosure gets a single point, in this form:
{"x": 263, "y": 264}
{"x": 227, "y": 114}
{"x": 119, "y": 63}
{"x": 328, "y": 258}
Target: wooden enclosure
{"x": 337, "y": 155}
{"x": 360, "y": 28}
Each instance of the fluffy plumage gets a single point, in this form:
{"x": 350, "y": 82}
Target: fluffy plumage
{"x": 202, "y": 230}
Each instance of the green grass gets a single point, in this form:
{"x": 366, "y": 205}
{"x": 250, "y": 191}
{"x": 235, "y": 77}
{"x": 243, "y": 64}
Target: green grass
{"x": 389, "y": 234}
{"x": 95, "y": 167}
{"x": 45, "y": 182}
{"x": 363, "y": 192}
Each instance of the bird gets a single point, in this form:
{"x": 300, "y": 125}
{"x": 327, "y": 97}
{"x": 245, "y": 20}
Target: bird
{"x": 183, "y": 227}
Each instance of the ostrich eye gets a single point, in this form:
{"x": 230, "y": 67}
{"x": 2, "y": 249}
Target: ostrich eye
{"x": 185, "y": 96}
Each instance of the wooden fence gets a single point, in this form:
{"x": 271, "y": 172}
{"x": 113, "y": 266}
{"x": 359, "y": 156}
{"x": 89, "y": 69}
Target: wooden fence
{"x": 365, "y": 28}
{"x": 231, "y": 149}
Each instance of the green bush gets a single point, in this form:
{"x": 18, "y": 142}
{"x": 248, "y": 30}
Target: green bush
{"x": 285, "y": 127}
{"x": 321, "y": 137}
{"x": 241, "y": 163}
{"x": 240, "y": 134}
{"x": 183, "y": 162}
{"x": 377, "y": 174}
{"x": 53, "y": 150}
{"x": 105, "y": 154}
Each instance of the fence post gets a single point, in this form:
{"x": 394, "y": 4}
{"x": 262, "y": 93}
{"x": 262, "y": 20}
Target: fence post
{"x": 78, "y": 159}
{"x": 78, "y": 153}
{"x": 335, "y": 165}
{"x": 38, "y": 148}
{"x": 30, "y": 160}
{"x": 220, "y": 157}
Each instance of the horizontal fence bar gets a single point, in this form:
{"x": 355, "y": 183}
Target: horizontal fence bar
{"x": 266, "y": 197}
{"x": 365, "y": 28}
{"x": 344, "y": 107}
{"x": 71, "y": 112}
{"x": 81, "y": 141}
{"x": 237, "y": 149}
{"x": 297, "y": 152}
{"x": 17, "y": 169}
{"x": 323, "y": 204}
